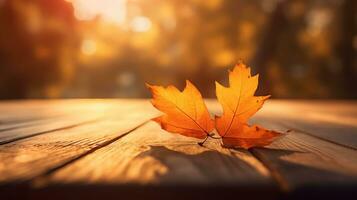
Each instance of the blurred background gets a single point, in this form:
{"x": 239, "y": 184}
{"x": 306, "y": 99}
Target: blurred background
{"x": 110, "y": 48}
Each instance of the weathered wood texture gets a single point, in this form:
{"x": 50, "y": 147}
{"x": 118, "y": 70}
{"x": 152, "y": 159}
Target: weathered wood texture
{"x": 109, "y": 148}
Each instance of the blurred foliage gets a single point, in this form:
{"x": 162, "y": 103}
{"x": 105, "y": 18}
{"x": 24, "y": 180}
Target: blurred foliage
{"x": 110, "y": 48}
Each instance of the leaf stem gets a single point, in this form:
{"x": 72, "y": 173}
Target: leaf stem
{"x": 209, "y": 135}
{"x": 201, "y": 143}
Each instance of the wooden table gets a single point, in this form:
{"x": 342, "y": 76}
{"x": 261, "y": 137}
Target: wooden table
{"x": 109, "y": 149}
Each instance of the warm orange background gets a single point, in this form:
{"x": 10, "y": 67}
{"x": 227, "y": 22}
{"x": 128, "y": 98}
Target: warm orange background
{"x": 110, "y": 48}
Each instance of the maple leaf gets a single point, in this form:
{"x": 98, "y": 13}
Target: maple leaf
{"x": 239, "y": 104}
{"x": 185, "y": 112}
{"x": 246, "y": 136}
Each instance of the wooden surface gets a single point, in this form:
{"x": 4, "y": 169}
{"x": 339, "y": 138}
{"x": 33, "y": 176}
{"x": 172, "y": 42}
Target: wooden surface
{"x": 74, "y": 149}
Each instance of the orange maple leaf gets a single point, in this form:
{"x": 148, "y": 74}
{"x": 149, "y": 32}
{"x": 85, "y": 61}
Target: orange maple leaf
{"x": 185, "y": 112}
{"x": 239, "y": 104}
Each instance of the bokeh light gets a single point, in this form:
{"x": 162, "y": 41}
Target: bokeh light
{"x": 141, "y": 24}
{"x": 111, "y": 48}
{"x": 108, "y": 10}
{"x": 88, "y": 47}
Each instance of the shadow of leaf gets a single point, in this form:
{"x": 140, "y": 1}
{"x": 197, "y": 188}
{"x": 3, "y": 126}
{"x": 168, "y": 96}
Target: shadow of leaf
{"x": 192, "y": 165}
{"x": 304, "y": 174}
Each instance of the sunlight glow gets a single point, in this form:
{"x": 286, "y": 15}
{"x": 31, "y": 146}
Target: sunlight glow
{"x": 108, "y": 10}
{"x": 141, "y": 24}
{"x": 89, "y": 47}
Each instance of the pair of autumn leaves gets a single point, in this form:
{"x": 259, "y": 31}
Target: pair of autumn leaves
{"x": 185, "y": 112}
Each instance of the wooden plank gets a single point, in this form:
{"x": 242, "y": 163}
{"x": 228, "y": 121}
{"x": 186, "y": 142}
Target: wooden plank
{"x": 28, "y": 158}
{"x": 82, "y": 112}
{"x": 45, "y": 126}
{"x": 335, "y": 121}
{"x": 339, "y": 108}
{"x": 307, "y": 166}
{"x": 299, "y": 162}
{"x": 20, "y": 124}
{"x": 21, "y": 111}
{"x": 150, "y": 159}
{"x": 340, "y": 134}
{"x": 26, "y": 110}
{"x": 37, "y": 120}
{"x": 304, "y": 164}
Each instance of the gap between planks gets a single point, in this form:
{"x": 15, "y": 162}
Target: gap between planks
{"x": 29, "y": 158}
{"x": 90, "y": 111}
{"x": 27, "y": 123}
{"x": 92, "y": 150}
{"x": 302, "y": 163}
{"x": 274, "y": 172}
{"x": 318, "y": 137}
{"x": 47, "y": 131}
{"x": 278, "y": 176}
{"x": 150, "y": 157}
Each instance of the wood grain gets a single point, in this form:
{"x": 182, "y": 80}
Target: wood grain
{"x": 21, "y": 124}
{"x": 43, "y": 127}
{"x": 20, "y": 111}
{"x": 320, "y": 163}
{"x": 303, "y": 163}
{"x": 150, "y": 157}
{"x": 335, "y": 121}
{"x": 72, "y": 113}
{"x": 27, "y": 158}
{"x": 44, "y": 146}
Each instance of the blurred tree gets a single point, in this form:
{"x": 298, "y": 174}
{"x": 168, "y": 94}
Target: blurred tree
{"x": 267, "y": 48}
{"x": 347, "y": 52}
{"x": 36, "y": 38}
{"x": 301, "y": 48}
